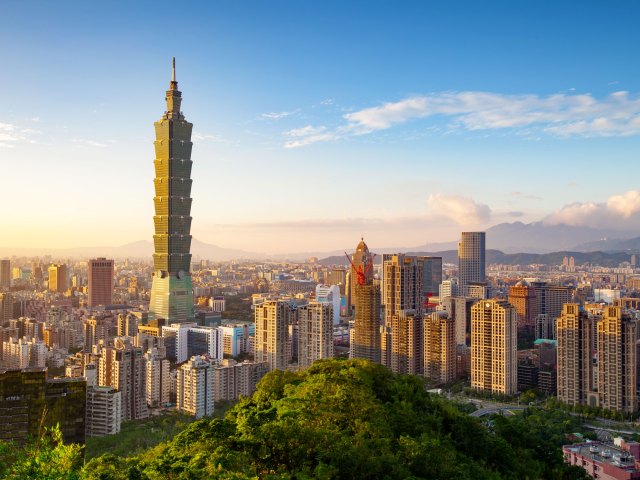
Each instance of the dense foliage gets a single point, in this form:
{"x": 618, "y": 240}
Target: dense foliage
{"x": 345, "y": 420}
{"x": 137, "y": 436}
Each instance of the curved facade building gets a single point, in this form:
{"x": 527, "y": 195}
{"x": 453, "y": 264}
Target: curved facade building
{"x": 172, "y": 290}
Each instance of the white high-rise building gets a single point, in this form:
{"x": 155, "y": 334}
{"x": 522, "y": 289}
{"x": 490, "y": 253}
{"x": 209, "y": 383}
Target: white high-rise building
{"x": 23, "y": 352}
{"x": 195, "y": 387}
{"x": 175, "y": 340}
{"x": 104, "y": 411}
{"x": 330, "y": 294}
{"x": 449, "y": 288}
{"x": 158, "y": 378}
{"x": 315, "y": 334}
{"x": 205, "y": 340}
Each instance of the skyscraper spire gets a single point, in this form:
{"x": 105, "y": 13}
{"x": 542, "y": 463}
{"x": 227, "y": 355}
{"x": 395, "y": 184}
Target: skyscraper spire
{"x": 174, "y": 96}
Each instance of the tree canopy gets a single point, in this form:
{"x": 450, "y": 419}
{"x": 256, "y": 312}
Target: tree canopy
{"x": 345, "y": 420}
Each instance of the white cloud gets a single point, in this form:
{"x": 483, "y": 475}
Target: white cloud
{"x": 619, "y": 212}
{"x": 12, "y": 135}
{"x": 278, "y": 115}
{"x": 562, "y": 115}
{"x": 627, "y": 204}
{"x": 462, "y": 210}
{"x": 299, "y": 137}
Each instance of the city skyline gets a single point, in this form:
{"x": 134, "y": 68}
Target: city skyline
{"x": 297, "y": 137}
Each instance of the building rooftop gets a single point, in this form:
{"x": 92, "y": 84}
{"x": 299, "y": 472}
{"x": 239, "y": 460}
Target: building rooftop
{"x": 604, "y": 453}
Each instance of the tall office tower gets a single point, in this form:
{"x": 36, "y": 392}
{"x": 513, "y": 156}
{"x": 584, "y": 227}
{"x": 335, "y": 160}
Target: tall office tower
{"x": 402, "y": 284}
{"x": 272, "y": 339}
{"x": 104, "y": 411}
{"x": 431, "y": 277}
{"x": 494, "y": 343}
{"x": 5, "y": 274}
{"x": 471, "y": 260}
{"x": 58, "y": 278}
{"x": 403, "y": 345}
{"x": 123, "y": 368}
{"x": 194, "y": 387}
{"x": 574, "y": 331}
{"x": 523, "y": 297}
{"x": 171, "y": 289}
{"x": 330, "y": 294}
{"x": 100, "y": 282}
{"x": 6, "y": 308}
{"x": 617, "y": 361}
{"x": 315, "y": 335}
{"x": 440, "y": 347}
{"x": 365, "y": 341}
{"x": 158, "y": 378}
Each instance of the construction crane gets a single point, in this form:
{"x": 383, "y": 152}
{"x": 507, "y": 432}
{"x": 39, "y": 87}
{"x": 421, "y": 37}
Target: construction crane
{"x": 361, "y": 273}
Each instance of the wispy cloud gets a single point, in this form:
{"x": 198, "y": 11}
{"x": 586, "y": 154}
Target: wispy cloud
{"x": 527, "y": 196}
{"x": 89, "y": 143}
{"x": 12, "y": 135}
{"x": 278, "y": 115}
{"x": 560, "y": 115}
{"x": 300, "y": 137}
{"x": 199, "y": 137}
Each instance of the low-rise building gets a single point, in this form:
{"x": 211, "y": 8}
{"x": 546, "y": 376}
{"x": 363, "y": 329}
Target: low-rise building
{"x": 605, "y": 461}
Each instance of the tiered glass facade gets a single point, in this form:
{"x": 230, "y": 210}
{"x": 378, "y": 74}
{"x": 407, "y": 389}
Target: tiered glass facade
{"x": 171, "y": 290}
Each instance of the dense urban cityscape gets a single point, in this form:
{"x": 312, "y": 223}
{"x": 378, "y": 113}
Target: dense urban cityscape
{"x": 414, "y": 363}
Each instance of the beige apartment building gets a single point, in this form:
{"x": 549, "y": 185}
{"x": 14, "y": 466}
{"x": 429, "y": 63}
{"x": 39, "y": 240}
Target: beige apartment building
{"x": 272, "y": 339}
{"x": 440, "y": 347}
{"x": 494, "y": 347}
{"x": 574, "y": 332}
{"x": 617, "y": 360}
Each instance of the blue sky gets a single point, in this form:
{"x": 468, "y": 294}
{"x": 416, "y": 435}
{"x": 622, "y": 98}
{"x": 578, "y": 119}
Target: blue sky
{"x": 316, "y": 123}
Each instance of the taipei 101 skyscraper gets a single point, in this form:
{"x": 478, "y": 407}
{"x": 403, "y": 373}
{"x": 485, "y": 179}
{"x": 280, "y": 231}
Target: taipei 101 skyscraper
{"x": 172, "y": 290}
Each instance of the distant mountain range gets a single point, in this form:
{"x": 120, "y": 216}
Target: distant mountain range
{"x": 510, "y": 238}
{"x": 604, "y": 259}
{"x": 139, "y": 249}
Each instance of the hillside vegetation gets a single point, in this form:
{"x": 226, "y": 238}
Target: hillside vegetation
{"x": 337, "y": 420}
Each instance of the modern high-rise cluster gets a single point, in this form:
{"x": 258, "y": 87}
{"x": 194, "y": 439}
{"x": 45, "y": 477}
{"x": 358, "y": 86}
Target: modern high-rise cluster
{"x": 107, "y": 341}
{"x": 598, "y": 358}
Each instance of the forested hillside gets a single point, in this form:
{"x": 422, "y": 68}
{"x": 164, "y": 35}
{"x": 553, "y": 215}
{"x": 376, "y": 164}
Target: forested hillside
{"x": 339, "y": 419}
